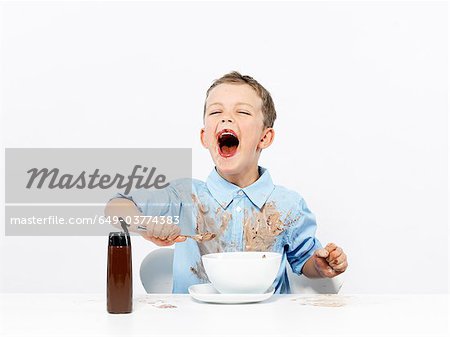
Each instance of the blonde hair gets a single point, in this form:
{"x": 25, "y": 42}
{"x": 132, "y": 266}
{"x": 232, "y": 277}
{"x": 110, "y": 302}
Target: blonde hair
{"x": 268, "y": 107}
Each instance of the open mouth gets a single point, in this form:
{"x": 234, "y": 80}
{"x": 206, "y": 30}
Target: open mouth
{"x": 228, "y": 143}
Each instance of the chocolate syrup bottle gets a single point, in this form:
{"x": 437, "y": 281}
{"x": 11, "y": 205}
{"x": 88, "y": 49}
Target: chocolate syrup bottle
{"x": 119, "y": 282}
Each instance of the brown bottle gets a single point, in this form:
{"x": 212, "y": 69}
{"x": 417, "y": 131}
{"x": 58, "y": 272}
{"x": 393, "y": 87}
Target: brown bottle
{"x": 119, "y": 282}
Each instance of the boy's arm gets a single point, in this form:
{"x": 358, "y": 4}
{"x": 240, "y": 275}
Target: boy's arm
{"x": 160, "y": 234}
{"x": 305, "y": 253}
{"x": 121, "y": 207}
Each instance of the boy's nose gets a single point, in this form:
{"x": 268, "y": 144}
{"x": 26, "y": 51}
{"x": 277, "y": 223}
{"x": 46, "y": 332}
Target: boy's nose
{"x": 224, "y": 120}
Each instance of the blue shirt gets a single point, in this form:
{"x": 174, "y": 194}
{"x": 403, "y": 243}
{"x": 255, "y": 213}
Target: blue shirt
{"x": 259, "y": 217}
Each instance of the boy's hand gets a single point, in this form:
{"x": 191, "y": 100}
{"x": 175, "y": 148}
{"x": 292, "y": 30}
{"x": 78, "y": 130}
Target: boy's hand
{"x": 163, "y": 234}
{"x": 159, "y": 234}
{"x": 330, "y": 261}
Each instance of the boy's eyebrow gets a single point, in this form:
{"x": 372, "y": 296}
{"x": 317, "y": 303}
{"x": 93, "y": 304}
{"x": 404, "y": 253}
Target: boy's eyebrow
{"x": 238, "y": 103}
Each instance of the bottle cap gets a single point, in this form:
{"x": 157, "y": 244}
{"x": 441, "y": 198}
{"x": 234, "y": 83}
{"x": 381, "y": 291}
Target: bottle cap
{"x": 118, "y": 239}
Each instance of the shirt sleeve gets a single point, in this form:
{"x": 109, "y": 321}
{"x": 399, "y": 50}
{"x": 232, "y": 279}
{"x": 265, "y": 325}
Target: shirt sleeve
{"x": 301, "y": 239}
{"x": 162, "y": 202}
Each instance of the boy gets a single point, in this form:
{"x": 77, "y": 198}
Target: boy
{"x": 238, "y": 202}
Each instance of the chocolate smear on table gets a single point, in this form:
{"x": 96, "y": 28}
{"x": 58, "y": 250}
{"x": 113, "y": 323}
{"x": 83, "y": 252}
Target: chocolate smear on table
{"x": 323, "y": 300}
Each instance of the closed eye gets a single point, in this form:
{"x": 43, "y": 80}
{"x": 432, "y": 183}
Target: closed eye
{"x": 245, "y": 113}
{"x": 214, "y": 112}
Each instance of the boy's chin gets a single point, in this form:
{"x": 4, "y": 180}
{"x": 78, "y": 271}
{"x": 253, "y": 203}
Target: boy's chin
{"x": 226, "y": 170}
{"x": 229, "y": 165}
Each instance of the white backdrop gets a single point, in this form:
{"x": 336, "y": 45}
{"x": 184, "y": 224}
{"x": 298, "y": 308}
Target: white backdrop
{"x": 361, "y": 95}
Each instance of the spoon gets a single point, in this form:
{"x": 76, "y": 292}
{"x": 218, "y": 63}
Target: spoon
{"x": 200, "y": 237}
{"x": 206, "y": 236}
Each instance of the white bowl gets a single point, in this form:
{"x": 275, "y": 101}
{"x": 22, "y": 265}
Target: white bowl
{"x": 242, "y": 272}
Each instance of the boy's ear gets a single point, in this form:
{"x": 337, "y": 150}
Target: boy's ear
{"x": 202, "y": 138}
{"x": 267, "y": 138}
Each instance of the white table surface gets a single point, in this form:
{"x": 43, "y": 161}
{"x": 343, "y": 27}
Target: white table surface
{"x": 281, "y": 315}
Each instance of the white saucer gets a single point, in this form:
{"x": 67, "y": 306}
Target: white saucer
{"x": 207, "y": 293}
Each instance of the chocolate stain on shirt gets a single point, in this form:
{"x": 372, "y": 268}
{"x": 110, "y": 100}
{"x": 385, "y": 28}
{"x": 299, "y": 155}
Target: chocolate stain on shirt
{"x": 199, "y": 271}
{"x": 260, "y": 230}
{"x": 207, "y": 223}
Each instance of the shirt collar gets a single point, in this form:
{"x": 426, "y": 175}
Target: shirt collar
{"x": 224, "y": 191}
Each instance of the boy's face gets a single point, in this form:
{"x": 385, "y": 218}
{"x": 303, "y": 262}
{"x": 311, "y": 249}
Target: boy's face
{"x": 234, "y": 131}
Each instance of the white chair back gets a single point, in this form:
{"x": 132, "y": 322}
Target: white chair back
{"x": 156, "y": 271}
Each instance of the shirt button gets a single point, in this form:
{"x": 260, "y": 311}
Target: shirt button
{"x": 238, "y": 209}
{"x": 240, "y": 192}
